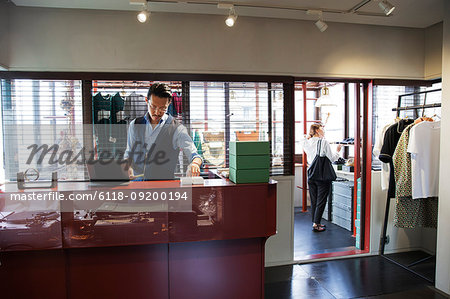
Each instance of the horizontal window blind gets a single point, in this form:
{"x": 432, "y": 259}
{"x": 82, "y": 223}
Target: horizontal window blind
{"x": 116, "y": 103}
{"x": 221, "y": 112}
{"x": 40, "y": 112}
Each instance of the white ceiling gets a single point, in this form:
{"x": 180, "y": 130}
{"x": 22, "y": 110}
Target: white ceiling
{"x": 408, "y": 13}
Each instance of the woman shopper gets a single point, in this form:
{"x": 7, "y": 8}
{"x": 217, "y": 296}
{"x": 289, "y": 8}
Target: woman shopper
{"x": 318, "y": 190}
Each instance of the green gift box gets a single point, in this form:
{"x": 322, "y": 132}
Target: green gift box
{"x": 240, "y": 176}
{"x": 249, "y": 148}
{"x": 250, "y": 162}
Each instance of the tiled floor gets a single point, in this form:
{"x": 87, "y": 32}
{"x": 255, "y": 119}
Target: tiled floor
{"x": 426, "y": 267}
{"x": 307, "y": 242}
{"x": 365, "y": 277}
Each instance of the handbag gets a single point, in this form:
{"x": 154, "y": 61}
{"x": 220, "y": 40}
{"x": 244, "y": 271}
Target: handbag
{"x": 321, "y": 169}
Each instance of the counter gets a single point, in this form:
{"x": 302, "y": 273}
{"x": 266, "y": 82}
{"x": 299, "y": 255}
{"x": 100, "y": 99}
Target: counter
{"x": 214, "y": 249}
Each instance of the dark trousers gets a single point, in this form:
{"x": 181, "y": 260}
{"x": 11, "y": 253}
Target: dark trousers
{"x": 318, "y": 194}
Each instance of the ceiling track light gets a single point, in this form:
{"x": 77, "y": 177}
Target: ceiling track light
{"x": 232, "y": 16}
{"x": 144, "y": 14}
{"x": 386, "y": 7}
{"x": 320, "y": 24}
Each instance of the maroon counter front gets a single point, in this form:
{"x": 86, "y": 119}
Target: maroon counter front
{"x": 214, "y": 249}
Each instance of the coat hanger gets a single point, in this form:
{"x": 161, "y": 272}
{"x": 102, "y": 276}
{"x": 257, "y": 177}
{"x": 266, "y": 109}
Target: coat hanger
{"x": 423, "y": 118}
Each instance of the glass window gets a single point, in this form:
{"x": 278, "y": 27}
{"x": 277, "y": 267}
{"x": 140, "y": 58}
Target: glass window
{"x": 385, "y": 98}
{"x": 41, "y": 112}
{"x": 221, "y": 112}
{"x": 331, "y": 116}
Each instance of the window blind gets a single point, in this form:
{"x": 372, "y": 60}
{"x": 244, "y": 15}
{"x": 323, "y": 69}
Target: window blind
{"x": 40, "y": 112}
{"x": 220, "y": 112}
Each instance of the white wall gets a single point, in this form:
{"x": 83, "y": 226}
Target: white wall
{"x": 298, "y": 193}
{"x": 4, "y": 34}
{"x": 401, "y": 239}
{"x": 433, "y": 51}
{"x": 90, "y": 40}
{"x": 443, "y": 243}
{"x": 279, "y": 248}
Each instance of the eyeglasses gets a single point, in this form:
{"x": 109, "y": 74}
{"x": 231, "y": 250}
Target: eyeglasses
{"x": 161, "y": 109}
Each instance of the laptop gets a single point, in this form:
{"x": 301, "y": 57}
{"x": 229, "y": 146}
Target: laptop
{"x": 111, "y": 173}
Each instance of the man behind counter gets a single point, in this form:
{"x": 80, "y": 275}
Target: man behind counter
{"x": 154, "y": 140}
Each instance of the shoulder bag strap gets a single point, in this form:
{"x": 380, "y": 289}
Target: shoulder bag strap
{"x": 319, "y": 146}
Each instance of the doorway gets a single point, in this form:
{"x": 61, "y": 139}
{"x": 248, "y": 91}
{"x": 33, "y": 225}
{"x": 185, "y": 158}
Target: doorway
{"x": 334, "y": 105}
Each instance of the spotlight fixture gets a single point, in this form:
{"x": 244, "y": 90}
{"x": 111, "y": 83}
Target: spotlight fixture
{"x": 232, "y": 16}
{"x": 320, "y": 24}
{"x": 386, "y": 7}
{"x": 144, "y": 14}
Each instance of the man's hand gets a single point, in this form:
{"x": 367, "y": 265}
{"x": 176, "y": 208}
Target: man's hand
{"x": 194, "y": 167}
{"x": 131, "y": 174}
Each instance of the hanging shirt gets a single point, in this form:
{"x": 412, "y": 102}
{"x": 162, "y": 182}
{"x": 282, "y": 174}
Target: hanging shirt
{"x": 177, "y": 101}
{"x": 135, "y": 106}
{"x": 424, "y": 143}
{"x": 390, "y": 141}
{"x": 310, "y": 148}
{"x": 385, "y": 169}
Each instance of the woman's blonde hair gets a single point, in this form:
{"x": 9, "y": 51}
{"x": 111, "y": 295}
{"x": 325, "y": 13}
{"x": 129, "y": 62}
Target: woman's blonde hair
{"x": 314, "y": 129}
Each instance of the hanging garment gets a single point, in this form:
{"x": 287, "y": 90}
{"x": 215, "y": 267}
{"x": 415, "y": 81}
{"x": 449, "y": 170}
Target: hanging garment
{"x": 177, "y": 100}
{"x": 412, "y": 213}
{"x": 424, "y": 144}
{"x": 409, "y": 212}
{"x": 102, "y": 108}
{"x": 135, "y": 106}
{"x": 117, "y": 104}
{"x": 171, "y": 109}
{"x": 390, "y": 141}
{"x": 402, "y": 166}
{"x": 385, "y": 169}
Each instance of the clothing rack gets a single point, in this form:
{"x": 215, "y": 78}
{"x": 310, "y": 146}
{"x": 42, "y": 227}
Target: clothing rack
{"x": 383, "y": 239}
{"x": 125, "y": 88}
{"x": 416, "y": 107}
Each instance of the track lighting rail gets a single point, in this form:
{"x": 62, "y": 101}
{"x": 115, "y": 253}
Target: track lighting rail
{"x": 353, "y": 10}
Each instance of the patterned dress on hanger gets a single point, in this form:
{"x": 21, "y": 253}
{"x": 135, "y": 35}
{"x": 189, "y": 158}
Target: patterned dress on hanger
{"x": 409, "y": 212}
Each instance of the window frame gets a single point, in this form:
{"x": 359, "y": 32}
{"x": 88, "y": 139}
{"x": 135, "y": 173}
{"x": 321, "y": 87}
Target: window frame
{"x": 88, "y": 77}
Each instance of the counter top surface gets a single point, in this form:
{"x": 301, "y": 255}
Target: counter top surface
{"x": 85, "y": 185}
{"x": 216, "y": 210}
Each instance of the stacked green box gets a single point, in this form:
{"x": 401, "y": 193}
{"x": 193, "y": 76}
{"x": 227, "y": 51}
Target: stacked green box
{"x": 249, "y": 161}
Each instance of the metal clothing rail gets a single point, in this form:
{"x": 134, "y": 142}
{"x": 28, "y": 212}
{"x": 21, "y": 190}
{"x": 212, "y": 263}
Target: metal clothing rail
{"x": 383, "y": 239}
{"x": 416, "y": 107}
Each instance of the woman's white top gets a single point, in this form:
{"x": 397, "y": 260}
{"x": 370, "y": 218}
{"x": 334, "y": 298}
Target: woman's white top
{"x": 310, "y": 148}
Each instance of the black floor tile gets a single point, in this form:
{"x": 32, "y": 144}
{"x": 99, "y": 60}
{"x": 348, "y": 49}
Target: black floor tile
{"x": 306, "y": 288}
{"x": 348, "y": 278}
{"x": 419, "y": 293}
{"x": 425, "y": 267}
{"x": 307, "y": 242}
{"x": 361, "y": 277}
{"x": 284, "y": 273}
